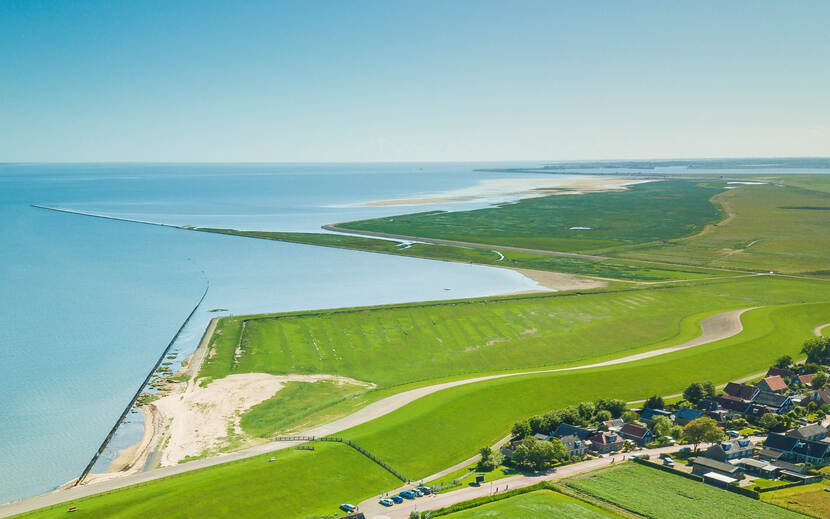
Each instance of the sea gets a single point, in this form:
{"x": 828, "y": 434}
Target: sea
{"x": 89, "y": 304}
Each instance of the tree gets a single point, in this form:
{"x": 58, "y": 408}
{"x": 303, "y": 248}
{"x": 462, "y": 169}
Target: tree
{"x": 489, "y": 460}
{"x": 817, "y": 349}
{"x": 586, "y": 411}
{"x": 539, "y": 455}
{"x": 677, "y": 432}
{"x": 662, "y": 426}
{"x": 521, "y": 429}
{"x": 602, "y": 416}
{"x": 819, "y": 381}
{"x": 630, "y": 417}
{"x": 709, "y": 389}
{"x": 701, "y": 430}
{"x": 654, "y": 402}
{"x": 783, "y": 362}
{"x": 773, "y": 422}
{"x": 550, "y": 421}
{"x": 613, "y": 406}
{"x": 536, "y": 423}
{"x": 697, "y": 391}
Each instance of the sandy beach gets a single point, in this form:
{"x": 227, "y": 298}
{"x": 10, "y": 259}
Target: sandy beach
{"x": 514, "y": 188}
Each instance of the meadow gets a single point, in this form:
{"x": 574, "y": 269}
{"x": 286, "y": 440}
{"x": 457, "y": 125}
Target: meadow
{"x": 644, "y": 213}
{"x": 812, "y": 500}
{"x": 539, "y": 503}
{"x": 768, "y": 227}
{"x": 659, "y": 495}
{"x": 298, "y": 484}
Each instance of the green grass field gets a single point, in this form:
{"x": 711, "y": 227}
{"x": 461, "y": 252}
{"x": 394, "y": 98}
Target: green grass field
{"x": 656, "y": 211}
{"x": 627, "y": 270}
{"x": 660, "y": 495}
{"x": 812, "y": 500}
{"x": 298, "y": 485}
{"x": 786, "y": 229}
{"x": 540, "y": 503}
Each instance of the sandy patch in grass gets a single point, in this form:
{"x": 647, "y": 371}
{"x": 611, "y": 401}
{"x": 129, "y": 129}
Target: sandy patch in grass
{"x": 200, "y": 417}
{"x": 560, "y": 281}
{"x": 515, "y": 188}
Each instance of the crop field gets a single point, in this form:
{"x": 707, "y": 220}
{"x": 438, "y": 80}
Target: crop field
{"x": 786, "y": 229}
{"x": 449, "y": 426}
{"x": 660, "y": 495}
{"x": 812, "y": 500}
{"x": 407, "y": 343}
{"x": 627, "y": 270}
{"x": 651, "y": 212}
{"x": 540, "y": 503}
{"x": 298, "y": 484}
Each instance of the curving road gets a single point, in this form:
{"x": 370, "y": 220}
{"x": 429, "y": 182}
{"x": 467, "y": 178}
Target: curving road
{"x": 713, "y": 328}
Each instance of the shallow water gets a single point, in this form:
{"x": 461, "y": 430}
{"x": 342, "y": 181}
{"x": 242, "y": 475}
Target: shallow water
{"x": 89, "y": 303}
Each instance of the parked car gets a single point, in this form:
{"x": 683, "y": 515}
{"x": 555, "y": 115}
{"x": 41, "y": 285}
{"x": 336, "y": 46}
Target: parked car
{"x": 667, "y": 461}
{"x": 397, "y": 499}
{"x": 416, "y": 492}
{"x": 425, "y": 490}
{"x": 733, "y": 434}
{"x": 387, "y": 502}
{"x": 408, "y": 494}
{"x": 347, "y": 507}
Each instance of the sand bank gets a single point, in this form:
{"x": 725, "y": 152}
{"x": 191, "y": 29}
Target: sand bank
{"x": 559, "y": 281}
{"x": 494, "y": 190}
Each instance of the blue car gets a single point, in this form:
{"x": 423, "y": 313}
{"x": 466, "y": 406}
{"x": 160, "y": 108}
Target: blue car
{"x": 348, "y": 508}
{"x": 397, "y": 499}
{"x": 408, "y": 494}
{"x": 425, "y": 490}
{"x": 386, "y": 502}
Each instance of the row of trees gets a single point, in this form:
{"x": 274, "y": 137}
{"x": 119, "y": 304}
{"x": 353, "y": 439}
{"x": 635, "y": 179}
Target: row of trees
{"x": 817, "y": 350}
{"x": 586, "y": 413}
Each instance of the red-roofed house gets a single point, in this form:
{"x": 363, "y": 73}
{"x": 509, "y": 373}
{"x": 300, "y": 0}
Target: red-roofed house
{"x": 806, "y": 380}
{"x": 636, "y": 433}
{"x": 604, "y": 442}
{"x": 774, "y": 384}
{"x": 821, "y": 396}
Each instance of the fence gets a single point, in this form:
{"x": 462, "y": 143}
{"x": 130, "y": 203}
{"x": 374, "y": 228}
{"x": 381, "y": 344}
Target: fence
{"x": 351, "y": 444}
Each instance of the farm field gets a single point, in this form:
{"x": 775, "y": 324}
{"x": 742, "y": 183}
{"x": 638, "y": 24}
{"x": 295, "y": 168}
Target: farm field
{"x": 539, "y": 503}
{"x": 451, "y": 425}
{"x": 770, "y": 227}
{"x": 616, "y": 268}
{"x": 298, "y": 484}
{"x": 654, "y": 211}
{"x": 812, "y": 500}
{"x": 486, "y": 335}
{"x": 660, "y": 495}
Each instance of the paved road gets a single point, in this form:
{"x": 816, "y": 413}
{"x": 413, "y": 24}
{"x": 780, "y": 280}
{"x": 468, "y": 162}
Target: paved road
{"x": 714, "y": 327}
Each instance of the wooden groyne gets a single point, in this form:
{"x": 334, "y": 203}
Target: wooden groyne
{"x": 143, "y": 385}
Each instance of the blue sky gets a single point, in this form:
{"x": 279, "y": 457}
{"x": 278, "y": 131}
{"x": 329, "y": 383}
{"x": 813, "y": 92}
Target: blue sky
{"x": 412, "y": 81}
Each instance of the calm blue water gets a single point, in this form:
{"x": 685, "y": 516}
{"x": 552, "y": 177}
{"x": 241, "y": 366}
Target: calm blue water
{"x": 89, "y": 304}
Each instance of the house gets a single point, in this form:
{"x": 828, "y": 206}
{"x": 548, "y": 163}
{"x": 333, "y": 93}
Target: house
{"x": 565, "y": 429}
{"x": 742, "y": 391}
{"x": 614, "y": 425}
{"x": 703, "y": 466}
{"x": 636, "y": 433}
{"x": 806, "y": 380}
{"x": 574, "y": 445}
{"x": 821, "y": 396}
{"x": 766, "y": 402}
{"x": 794, "y": 449}
{"x": 781, "y": 372}
{"x": 814, "y": 432}
{"x": 685, "y": 415}
{"x": 757, "y": 467}
{"x": 774, "y": 384}
{"x": 648, "y": 415}
{"x": 732, "y": 403}
{"x": 605, "y": 442}
{"x": 730, "y": 450}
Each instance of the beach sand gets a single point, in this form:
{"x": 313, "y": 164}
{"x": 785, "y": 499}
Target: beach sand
{"x": 559, "y": 281}
{"x": 513, "y": 188}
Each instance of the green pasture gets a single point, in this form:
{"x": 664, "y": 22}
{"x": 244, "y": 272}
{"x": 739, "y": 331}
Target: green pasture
{"x": 769, "y": 227}
{"x": 651, "y": 212}
{"x": 298, "y": 484}
{"x": 407, "y": 343}
{"x": 627, "y": 270}
{"x": 813, "y": 499}
{"x": 659, "y": 495}
{"x": 539, "y": 503}
{"x": 449, "y": 426}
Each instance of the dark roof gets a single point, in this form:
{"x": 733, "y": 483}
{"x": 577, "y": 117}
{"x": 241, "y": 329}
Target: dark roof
{"x": 732, "y": 403}
{"x": 687, "y": 413}
{"x": 809, "y": 448}
{"x": 775, "y": 383}
{"x": 650, "y": 414}
{"x": 565, "y": 429}
{"x": 733, "y": 445}
{"x": 634, "y": 430}
{"x": 770, "y": 399}
{"x": 716, "y": 465}
{"x": 741, "y": 391}
{"x": 807, "y": 431}
{"x": 786, "y": 373}
{"x": 769, "y": 453}
{"x": 615, "y": 422}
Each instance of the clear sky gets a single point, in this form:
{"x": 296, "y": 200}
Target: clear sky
{"x": 412, "y": 81}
